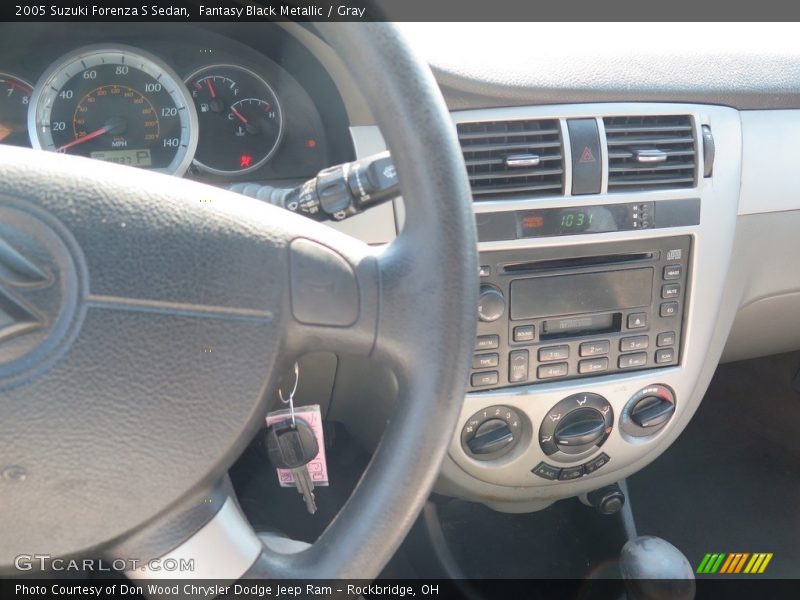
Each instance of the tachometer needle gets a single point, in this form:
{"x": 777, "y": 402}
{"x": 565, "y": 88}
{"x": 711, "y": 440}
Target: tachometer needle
{"x": 239, "y": 115}
{"x": 85, "y": 138}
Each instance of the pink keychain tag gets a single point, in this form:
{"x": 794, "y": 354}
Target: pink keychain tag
{"x": 318, "y": 467}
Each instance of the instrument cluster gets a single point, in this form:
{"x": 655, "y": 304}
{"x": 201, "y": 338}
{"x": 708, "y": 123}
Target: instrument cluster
{"x": 213, "y": 110}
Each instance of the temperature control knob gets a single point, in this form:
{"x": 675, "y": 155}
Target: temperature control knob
{"x": 648, "y": 411}
{"x": 491, "y": 433}
{"x": 491, "y": 304}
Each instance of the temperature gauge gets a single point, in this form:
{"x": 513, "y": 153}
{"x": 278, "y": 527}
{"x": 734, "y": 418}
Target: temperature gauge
{"x": 15, "y": 95}
{"x": 241, "y": 124}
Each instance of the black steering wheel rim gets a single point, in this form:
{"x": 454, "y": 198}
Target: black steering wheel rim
{"x": 417, "y": 300}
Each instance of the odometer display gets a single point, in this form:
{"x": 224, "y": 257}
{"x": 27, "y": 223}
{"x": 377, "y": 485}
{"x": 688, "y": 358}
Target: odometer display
{"x": 115, "y": 104}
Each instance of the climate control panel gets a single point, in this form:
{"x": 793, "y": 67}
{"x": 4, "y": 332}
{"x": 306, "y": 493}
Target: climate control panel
{"x": 573, "y": 438}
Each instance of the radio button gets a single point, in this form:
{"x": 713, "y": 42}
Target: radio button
{"x": 487, "y": 342}
{"x": 665, "y": 339}
{"x": 637, "y": 320}
{"x": 669, "y": 309}
{"x": 518, "y": 366}
{"x": 671, "y": 290}
{"x": 593, "y": 365}
{"x": 664, "y": 356}
{"x": 550, "y": 371}
{"x": 638, "y": 342}
{"x": 553, "y": 353}
{"x": 484, "y": 271}
{"x": 630, "y": 361}
{"x": 484, "y": 379}
{"x": 673, "y": 272}
{"x": 485, "y": 361}
{"x": 595, "y": 348}
{"x": 524, "y": 333}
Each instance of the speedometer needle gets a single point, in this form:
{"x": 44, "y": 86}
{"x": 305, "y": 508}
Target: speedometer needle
{"x": 85, "y": 138}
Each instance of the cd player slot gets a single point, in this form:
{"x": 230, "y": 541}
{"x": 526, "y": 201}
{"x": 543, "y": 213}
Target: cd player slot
{"x": 534, "y": 266}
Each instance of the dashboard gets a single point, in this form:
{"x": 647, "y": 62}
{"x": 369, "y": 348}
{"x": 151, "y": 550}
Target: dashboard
{"x": 637, "y": 212}
{"x": 207, "y": 102}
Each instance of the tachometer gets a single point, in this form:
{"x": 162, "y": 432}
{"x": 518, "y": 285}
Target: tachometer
{"x": 240, "y": 119}
{"x": 15, "y": 94}
{"x": 116, "y": 104}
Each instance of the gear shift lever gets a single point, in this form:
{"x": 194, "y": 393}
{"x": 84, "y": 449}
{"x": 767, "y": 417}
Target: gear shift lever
{"x": 654, "y": 569}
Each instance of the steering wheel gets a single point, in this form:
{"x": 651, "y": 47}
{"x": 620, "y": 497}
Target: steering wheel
{"x": 144, "y": 321}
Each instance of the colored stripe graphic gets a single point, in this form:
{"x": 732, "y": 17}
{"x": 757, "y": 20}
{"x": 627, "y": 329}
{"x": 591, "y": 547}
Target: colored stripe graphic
{"x": 715, "y": 567}
{"x": 732, "y": 558}
{"x": 704, "y": 563}
{"x": 724, "y": 563}
{"x": 711, "y": 563}
{"x": 765, "y": 563}
{"x": 741, "y": 562}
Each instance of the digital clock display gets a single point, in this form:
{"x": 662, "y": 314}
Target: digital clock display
{"x": 572, "y": 220}
{"x": 576, "y": 221}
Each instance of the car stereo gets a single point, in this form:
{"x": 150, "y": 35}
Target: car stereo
{"x": 555, "y": 313}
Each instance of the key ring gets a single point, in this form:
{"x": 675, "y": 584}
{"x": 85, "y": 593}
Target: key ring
{"x": 290, "y": 399}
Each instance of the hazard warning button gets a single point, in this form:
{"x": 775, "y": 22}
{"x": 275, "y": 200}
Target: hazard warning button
{"x": 586, "y": 166}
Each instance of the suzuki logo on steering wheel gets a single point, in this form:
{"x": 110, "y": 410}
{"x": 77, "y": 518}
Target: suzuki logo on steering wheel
{"x": 18, "y": 275}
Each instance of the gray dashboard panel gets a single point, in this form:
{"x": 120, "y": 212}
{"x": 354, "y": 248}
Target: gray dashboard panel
{"x": 743, "y": 65}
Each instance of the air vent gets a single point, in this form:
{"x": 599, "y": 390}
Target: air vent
{"x": 650, "y": 153}
{"x": 513, "y": 158}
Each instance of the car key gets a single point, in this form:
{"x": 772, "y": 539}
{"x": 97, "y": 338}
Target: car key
{"x": 291, "y": 444}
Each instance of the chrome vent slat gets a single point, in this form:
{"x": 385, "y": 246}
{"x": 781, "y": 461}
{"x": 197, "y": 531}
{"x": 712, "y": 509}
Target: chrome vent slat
{"x": 669, "y": 153}
{"x": 648, "y": 129}
{"x": 499, "y": 161}
{"x": 663, "y": 167}
{"x": 645, "y": 141}
{"x": 480, "y": 135}
{"x": 631, "y": 140}
{"x": 517, "y": 174}
{"x": 511, "y": 189}
{"x": 510, "y": 146}
{"x": 491, "y": 148}
{"x": 655, "y": 181}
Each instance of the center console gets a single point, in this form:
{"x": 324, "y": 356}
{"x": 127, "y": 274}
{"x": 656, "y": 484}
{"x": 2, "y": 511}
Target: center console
{"x": 605, "y": 237}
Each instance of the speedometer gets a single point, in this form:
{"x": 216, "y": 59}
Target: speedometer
{"x": 116, "y": 104}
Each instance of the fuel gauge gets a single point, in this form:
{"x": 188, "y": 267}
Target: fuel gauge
{"x": 240, "y": 119}
{"x": 15, "y": 95}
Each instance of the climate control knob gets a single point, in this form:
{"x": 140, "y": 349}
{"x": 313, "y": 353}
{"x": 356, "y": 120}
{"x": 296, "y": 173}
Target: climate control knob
{"x": 492, "y": 432}
{"x": 648, "y": 411}
{"x": 576, "y": 426}
{"x": 580, "y": 430}
{"x": 491, "y": 303}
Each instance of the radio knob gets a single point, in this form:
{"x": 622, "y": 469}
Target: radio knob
{"x": 492, "y": 304}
